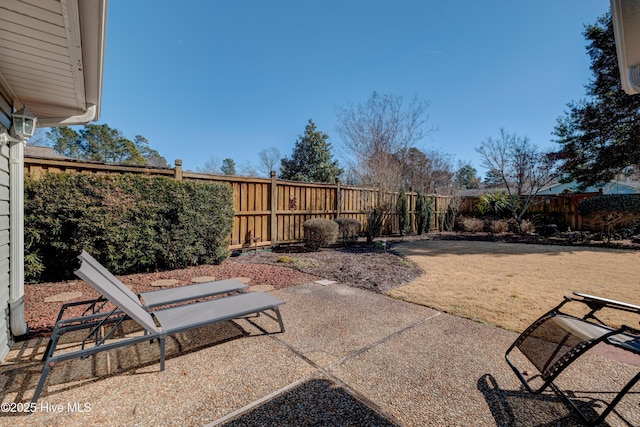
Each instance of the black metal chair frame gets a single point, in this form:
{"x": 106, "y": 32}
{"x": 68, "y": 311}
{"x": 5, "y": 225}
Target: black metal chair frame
{"x": 624, "y": 337}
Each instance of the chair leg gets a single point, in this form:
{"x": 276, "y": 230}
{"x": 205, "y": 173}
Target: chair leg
{"x": 51, "y": 345}
{"x": 162, "y": 352}
{"x": 279, "y": 316}
{"x": 43, "y": 379}
{"x": 616, "y": 400}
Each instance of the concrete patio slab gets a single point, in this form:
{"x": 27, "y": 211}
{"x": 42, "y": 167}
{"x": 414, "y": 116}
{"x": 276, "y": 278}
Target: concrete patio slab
{"x": 348, "y": 357}
{"x": 433, "y": 372}
{"x": 327, "y": 323}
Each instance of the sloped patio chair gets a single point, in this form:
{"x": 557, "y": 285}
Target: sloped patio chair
{"x": 557, "y": 339}
{"x": 156, "y": 324}
{"x": 150, "y": 299}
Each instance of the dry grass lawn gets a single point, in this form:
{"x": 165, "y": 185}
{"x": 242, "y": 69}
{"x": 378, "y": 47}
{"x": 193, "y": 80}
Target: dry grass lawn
{"x": 510, "y": 285}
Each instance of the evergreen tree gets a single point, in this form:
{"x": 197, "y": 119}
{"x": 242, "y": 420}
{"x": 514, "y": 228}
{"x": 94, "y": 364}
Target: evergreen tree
{"x": 228, "y": 166}
{"x": 404, "y": 220}
{"x": 492, "y": 179}
{"x": 467, "y": 177}
{"x": 66, "y": 141}
{"x": 311, "y": 160}
{"x": 152, "y": 156}
{"x": 600, "y": 136}
{"x": 101, "y": 143}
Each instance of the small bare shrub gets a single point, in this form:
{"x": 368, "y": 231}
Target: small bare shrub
{"x": 499, "y": 226}
{"x": 376, "y": 218}
{"x": 471, "y": 224}
{"x": 527, "y": 227}
{"x": 447, "y": 220}
{"x": 320, "y": 232}
{"x": 348, "y": 230}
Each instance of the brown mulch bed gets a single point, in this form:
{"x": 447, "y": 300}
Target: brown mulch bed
{"x": 360, "y": 265}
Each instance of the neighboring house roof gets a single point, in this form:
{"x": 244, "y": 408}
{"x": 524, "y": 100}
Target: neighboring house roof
{"x": 613, "y": 187}
{"x": 40, "y": 152}
{"x": 626, "y": 28}
{"x": 51, "y": 58}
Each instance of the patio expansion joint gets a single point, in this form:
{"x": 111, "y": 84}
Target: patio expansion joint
{"x": 326, "y": 371}
{"x": 381, "y": 341}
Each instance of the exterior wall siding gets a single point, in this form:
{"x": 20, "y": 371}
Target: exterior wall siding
{"x": 5, "y": 331}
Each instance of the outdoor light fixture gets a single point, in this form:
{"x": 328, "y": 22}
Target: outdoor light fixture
{"x": 24, "y": 125}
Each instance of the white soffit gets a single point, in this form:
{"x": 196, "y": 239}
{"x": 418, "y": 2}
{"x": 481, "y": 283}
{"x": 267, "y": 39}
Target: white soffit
{"x": 52, "y": 57}
{"x": 626, "y": 26}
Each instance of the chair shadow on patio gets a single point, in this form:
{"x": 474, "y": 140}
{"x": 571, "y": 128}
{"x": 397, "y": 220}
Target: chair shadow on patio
{"x": 514, "y": 408}
{"x": 21, "y": 369}
{"x": 318, "y": 402}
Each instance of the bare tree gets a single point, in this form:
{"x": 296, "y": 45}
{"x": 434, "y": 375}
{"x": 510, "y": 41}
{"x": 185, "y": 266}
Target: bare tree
{"x": 428, "y": 172}
{"x": 269, "y": 160}
{"x": 248, "y": 169}
{"x": 210, "y": 166}
{"x": 521, "y": 167}
{"x": 378, "y": 135}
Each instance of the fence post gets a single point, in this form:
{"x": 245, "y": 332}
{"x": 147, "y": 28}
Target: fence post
{"x": 274, "y": 209}
{"x": 338, "y": 197}
{"x": 177, "y": 174}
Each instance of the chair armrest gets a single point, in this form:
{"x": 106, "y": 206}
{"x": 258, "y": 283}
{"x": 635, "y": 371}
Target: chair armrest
{"x": 606, "y": 302}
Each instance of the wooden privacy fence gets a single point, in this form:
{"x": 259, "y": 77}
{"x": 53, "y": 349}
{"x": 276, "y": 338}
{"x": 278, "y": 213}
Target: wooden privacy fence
{"x": 561, "y": 210}
{"x": 268, "y": 211}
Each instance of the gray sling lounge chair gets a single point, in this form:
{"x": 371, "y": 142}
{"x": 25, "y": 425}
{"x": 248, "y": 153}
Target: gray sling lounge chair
{"x": 156, "y": 324}
{"x": 151, "y": 299}
{"x": 557, "y": 339}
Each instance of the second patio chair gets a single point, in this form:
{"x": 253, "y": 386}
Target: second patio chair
{"x": 557, "y": 339}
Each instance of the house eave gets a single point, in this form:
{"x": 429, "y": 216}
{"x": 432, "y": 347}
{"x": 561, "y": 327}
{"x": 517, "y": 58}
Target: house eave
{"x": 625, "y": 15}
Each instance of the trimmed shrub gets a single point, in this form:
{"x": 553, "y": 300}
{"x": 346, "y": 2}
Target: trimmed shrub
{"x": 499, "y": 226}
{"x": 528, "y": 227}
{"x": 348, "y": 230}
{"x": 471, "y": 224}
{"x": 130, "y": 223}
{"x": 376, "y": 218}
{"x": 320, "y": 232}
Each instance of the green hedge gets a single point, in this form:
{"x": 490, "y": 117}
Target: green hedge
{"x": 610, "y": 203}
{"x": 131, "y": 223}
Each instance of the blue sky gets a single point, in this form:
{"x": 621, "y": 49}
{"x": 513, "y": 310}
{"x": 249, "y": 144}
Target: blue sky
{"x": 228, "y": 79}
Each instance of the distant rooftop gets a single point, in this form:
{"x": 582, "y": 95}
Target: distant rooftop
{"x": 42, "y": 152}
{"x": 612, "y": 187}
